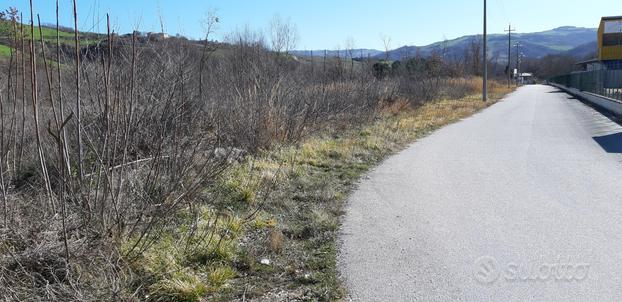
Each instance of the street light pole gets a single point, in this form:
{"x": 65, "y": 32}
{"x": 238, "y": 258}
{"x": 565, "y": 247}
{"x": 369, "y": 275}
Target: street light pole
{"x": 485, "y": 88}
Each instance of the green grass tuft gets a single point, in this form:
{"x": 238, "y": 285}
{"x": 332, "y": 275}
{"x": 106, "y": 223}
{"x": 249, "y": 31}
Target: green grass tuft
{"x": 5, "y": 51}
{"x": 183, "y": 286}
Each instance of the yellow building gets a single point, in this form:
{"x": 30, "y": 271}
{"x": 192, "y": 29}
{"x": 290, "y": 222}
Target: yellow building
{"x": 610, "y": 40}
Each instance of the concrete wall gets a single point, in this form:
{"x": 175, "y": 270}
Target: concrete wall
{"x": 611, "y": 105}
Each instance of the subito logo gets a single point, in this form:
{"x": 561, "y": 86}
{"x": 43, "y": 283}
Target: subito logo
{"x": 486, "y": 270}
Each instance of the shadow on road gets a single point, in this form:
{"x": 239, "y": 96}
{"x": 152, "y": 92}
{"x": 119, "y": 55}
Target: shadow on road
{"x": 556, "y": 91}
{"x": 611, "y": 143}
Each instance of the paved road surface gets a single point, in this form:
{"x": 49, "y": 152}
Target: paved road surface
{"x": 522, "y": 202}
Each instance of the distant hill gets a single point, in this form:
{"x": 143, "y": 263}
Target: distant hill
{"x": 356, "y": 53}
{"x": 66, "y": 36}
{"x": 576, "y": 41}
{"x": 567, "y": 39}
{"x": 563, "y": 40}
{"x": 584, "y": 51}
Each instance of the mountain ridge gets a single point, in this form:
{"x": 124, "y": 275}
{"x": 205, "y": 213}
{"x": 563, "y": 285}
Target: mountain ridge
{"x": 575, "y": 41}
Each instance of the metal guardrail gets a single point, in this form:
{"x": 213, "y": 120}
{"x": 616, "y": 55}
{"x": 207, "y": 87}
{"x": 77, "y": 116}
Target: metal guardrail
{"x": 606, "y": 83}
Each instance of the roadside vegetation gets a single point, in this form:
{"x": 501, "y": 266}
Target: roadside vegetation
{"x": 297, "y": 226}
{"x": 146, "y": 167}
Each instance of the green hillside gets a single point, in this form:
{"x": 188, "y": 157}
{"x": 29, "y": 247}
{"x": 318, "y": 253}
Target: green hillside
{"x": 49, "y": 36}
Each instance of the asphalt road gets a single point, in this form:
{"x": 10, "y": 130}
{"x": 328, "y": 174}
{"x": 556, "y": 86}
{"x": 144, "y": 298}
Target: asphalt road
{"x": 521, "y": 202}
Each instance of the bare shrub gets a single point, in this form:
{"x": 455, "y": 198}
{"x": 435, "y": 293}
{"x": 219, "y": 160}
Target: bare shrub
{"x": 105, "y": 149}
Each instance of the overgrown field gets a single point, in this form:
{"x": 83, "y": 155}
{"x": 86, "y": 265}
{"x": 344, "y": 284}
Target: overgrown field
{"x": 297, "y": 225}
{"x": 151, "y": 168}
{"x": 286, "y": 251}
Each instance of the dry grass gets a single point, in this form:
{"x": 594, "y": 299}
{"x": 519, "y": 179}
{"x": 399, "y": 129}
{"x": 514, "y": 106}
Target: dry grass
{"x": 298, "y": 193}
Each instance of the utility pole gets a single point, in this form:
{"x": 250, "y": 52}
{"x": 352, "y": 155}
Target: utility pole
{"x": 518, "y": 45}
{"x": 324, "y": 68}
{"x": 509, "y": 31}
{"x": 485, "y": 88}
{"x": 312, "y": 63}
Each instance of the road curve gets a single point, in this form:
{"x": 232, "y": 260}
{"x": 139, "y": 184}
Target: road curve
{"x": 521, "y": 202}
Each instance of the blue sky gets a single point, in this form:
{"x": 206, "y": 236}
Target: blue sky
{"x": 329, "y": 23}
